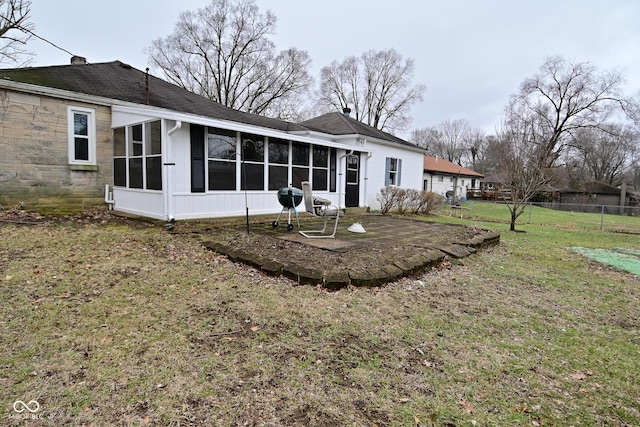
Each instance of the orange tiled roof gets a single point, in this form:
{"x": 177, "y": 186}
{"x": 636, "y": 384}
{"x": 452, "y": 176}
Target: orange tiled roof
{"x": 442, "y": 166}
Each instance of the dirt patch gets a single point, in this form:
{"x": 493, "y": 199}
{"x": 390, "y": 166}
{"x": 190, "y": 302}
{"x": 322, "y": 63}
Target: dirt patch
{"x": 98, "y": 216}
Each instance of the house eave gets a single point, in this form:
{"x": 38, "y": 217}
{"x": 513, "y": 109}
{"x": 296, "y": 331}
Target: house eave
{"x": 163, "y": 113}
{"x": 446, "y": 173}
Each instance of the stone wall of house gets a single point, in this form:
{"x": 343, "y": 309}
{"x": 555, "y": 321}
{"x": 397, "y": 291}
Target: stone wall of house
{"x": 34, "y": 165}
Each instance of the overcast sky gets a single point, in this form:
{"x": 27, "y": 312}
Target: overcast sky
{"x": 471, "y": 54}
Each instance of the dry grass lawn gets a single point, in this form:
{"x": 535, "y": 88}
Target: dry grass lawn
{"x": 111, "y": 324}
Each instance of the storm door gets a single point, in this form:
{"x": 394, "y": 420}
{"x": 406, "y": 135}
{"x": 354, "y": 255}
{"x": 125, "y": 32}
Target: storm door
{"x": 352, "y": 190}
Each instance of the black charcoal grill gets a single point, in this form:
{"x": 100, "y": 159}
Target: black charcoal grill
{"x": 289, "y": 198}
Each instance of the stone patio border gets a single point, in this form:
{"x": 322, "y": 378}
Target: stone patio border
{"x": 392, "y": 271}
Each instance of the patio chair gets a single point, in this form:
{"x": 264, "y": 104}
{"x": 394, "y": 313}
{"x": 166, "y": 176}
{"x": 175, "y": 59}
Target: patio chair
{"x": 321, "y": 208}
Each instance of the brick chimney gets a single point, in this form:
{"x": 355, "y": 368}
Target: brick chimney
{"x": 78, "y": 60}
{"x": 346, "y": 111}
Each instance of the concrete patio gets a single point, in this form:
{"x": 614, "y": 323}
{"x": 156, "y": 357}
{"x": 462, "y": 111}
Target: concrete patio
{"x": 424, "y": 244}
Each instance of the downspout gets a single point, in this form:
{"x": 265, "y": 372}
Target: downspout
{"x": 168, "y": 200}
{"x": 366, "y": 180}
{"x": 341, "y": 191}
{"x": 108, "y": 197}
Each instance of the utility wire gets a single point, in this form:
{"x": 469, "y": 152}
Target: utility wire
{"x": 28, "y": 31}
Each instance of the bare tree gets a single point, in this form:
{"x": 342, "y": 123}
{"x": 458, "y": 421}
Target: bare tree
{"x": 601, "y": 155}
{"x": 475, "y": 146}
{"x": 564, "y": 97}
{"x": 632, "y": 174}
{"x": 15, "y": 31}
{"x": 541, "y": 119}
{"x": 424, "y": 137}
{"x": 518, "y": 152}
{"x": 223, "y": 52}
{"x": 377, "y": 85}
{"x": 486, "y": 154}
{"x": 449, "y": 139}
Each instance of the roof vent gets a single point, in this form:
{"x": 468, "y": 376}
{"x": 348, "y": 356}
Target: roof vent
{"x": 76, "y": 60}
{"x": 346, "y": 111}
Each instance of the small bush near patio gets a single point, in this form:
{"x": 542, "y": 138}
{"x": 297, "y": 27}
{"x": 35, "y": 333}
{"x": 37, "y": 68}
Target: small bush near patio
{"x": 401, "y": 200}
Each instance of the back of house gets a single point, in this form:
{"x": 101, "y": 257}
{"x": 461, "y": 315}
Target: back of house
{"x": 84, "y": 135}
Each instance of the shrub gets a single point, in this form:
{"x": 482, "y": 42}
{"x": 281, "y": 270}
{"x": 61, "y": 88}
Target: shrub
{"x": 400, "y": 200}
{"x": 387, "y": 198}
{"x": 429, "y": 202}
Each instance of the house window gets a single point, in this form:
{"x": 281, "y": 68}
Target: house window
{"x": 82, "y": 136}
{"x": 153, "y": 155}
{"x": 393, "y": 168}
{"x": 252, "y": 155}
{"x": 119, "y": 157}
{"x": 320, "y": 175}
{"x": 333, "y": 166}
{"x": 278, "y": 163}
{"x": 136, "y": 179}
{"x": 300, "y": 163}
{"x": 441, "y": 178}
{"x": 425, "y": 185}
{"x": 264, "y": 162}
{"x": 221, "y": 149}
{"x": 137, "y": 156}
{"x": 451, "y": 179}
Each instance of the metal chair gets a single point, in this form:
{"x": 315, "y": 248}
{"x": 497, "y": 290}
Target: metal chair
{"x": 321, "y": 208}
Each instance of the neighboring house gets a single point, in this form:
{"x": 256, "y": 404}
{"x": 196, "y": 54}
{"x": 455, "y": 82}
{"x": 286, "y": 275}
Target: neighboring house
{"x": 495, "y": 187}
{"x": 449, "y": 179}
{"x": 592, "y": 196}
{"x": 163, "y": 152}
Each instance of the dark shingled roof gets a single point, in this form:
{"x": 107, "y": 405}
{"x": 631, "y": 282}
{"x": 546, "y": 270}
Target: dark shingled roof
{"x": 339, "y": 124}
{"x": 593, "y": 187}
{"x": 120, "y": 81}
{"x": 116, "y": 80}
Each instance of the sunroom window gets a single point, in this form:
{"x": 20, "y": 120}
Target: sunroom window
{"x": 252, "y": 155}
{"x": 278, "y": 163}
{"x": 300, "y": 161}
{"x": 137, "y": 156}
{"x": 221, "y": 149}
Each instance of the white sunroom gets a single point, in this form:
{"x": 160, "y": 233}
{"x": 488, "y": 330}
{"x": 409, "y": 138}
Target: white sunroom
{"x": 169, "y": 165}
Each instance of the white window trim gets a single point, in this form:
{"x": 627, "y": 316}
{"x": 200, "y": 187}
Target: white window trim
{"x": 91, "y": 123}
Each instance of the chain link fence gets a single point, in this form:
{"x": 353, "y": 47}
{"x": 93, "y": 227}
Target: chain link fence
{"x": 612, "y": 218}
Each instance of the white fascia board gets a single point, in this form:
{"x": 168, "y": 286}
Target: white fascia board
{"x": 163, "y": 113}
{"x": 356, "y": 137}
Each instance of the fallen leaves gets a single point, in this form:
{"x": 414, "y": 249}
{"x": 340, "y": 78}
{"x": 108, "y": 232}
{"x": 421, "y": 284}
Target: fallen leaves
{"x": 581, "y": 375}
{"x": 466, "y": 406}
